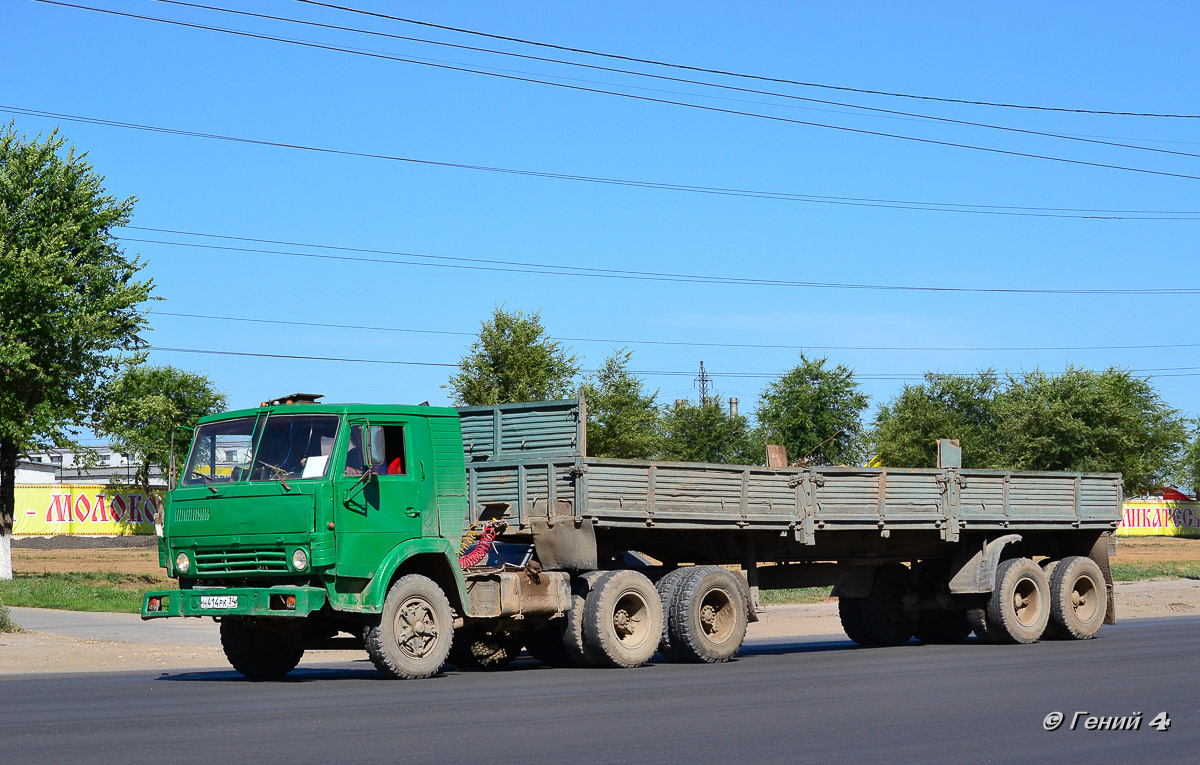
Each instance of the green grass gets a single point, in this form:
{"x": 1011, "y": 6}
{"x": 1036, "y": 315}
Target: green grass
{"x": 113, "y": 592}
{"x": 6, "y": 622}
{"x": 1136, "y": 572}
{"x": 795, "y": 595}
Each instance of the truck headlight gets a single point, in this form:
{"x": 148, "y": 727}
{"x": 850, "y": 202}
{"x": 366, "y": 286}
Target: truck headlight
{"x": 299, "y": 560}
{"x": 182, "y": 564}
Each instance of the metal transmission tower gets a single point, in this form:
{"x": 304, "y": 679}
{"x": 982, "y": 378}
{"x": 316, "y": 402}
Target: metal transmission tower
{"x": 703, "y": 381}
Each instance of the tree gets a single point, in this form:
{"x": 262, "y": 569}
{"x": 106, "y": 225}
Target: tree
{"x": 147, "y": 404}
{"x": 816, "y": 412}
{"x": 513, "y": 360}
{"x": 704, "y": 432}
{"x": 622, "y": 418}
{"x": 72, "y": 305}
{"x": 944, "y": 406}
{"x": 1084, "y": 420}
{"x": 1188, "y": 474}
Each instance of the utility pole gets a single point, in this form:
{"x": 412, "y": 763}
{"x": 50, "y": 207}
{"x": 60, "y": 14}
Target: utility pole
{"x": 703, "y": 381}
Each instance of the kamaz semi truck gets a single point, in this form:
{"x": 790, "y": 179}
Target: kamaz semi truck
{"x": 425, "y": 535}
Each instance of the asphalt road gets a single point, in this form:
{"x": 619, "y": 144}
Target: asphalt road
{"x": 804, "y": 701}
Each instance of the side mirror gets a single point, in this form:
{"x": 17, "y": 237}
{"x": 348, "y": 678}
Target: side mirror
{"x": 377, "y": 450}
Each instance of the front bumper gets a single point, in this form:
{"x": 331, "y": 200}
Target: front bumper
{"x": 250, "y": 601}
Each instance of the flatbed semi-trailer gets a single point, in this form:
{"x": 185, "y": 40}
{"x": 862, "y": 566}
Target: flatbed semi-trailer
{"x": 311, "y": 525}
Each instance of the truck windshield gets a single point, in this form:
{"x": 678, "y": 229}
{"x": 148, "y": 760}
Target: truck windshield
{"x": 220, "y": 452}
{"x": 295, "y": 446}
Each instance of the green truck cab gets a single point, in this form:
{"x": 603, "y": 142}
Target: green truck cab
{"x": 294, "y": 522}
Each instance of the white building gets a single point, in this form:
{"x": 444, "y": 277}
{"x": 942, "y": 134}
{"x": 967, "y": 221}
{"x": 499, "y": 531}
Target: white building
{"x": 94, "y": 464}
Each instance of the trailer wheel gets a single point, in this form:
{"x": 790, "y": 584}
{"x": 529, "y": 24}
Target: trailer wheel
{"x": 622, "y": 619}
{"x": 1019, "y": 607}
{"x": 708, "y": 616}
{"x": 943, "y": 627}
{"x": 258, "y": 649}
{"x": 850, "y": 612}
{"x": 884, "y": 618}
{"x": 477, "y": 647}
{"x": 411, "y": 637}
{"x": 668, "y": 587}
{"x": 578, "y": 650}
{"x": 1078, "y": 598}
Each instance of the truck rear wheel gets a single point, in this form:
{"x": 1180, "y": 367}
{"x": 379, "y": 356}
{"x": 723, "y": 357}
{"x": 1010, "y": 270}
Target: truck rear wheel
{"x": 546, "y": 643}
{"x": 850, "y": 612}
{"x": 1078, "y": 598}
{"x": 411, "y": 637}
{"x": 477, "y": 647}
{"x": 580, "y": 652}
{"x": 708, "y": 616}
{"x": 258, "y": 649}
{"x": 668, "y": 587}
{"x": 622, "y": 619}
{"x": 884, "y": 618}
{"x": 1019, "y": 607}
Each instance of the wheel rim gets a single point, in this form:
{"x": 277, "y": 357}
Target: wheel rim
{"x": 416, "y": 628}
{"x": 630, "y": 620}
{"x": 1085, "y": 600}
{"x": 717, "y": 616}
{"x": 1027, "y": 602}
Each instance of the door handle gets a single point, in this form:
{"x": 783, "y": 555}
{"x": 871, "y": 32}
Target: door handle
{"x": 412, "y": 512}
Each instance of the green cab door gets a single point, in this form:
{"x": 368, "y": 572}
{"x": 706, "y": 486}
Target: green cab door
{"x": 380, "y": 499}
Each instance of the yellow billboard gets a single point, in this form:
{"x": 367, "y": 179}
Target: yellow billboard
{"x": 1160, "y": 518}
{"x": 83, "y": 510}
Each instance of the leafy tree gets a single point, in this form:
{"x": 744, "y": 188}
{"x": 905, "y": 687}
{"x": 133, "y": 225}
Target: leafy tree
{"x": 704, "y": 432}
{"x": 622, "y": 418}
{"x": 1188, "y": 477}
{"x": 72, "y": 305}
{"x": 944, "y": 406}
{"x": 513, "y": 360}
{"x": 146, "y": 404}
{"x": 816, "y": 412}
{"x": 1108, "y": 421}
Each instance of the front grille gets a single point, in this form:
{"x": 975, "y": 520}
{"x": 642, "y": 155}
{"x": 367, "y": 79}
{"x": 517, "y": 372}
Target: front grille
{"x": 254, "y": 560}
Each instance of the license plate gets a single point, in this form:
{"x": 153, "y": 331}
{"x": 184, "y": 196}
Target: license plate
{"x": 218, "y": 601}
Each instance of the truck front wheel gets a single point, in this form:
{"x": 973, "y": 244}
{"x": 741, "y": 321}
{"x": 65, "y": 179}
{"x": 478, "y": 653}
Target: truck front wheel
{"x": 411, "y": 637}
{"x": 259, "y": 649}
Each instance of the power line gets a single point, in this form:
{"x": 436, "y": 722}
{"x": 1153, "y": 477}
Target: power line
{"x": 628, "y": 341}
{"x": 632, "y": 96}
{"x": 618, "y": 70}
{"x": 879, "y": 203}
{"x": 725, "y": 73}
{"x": 486, "y": 264}
{"x": 1176, "y": 371}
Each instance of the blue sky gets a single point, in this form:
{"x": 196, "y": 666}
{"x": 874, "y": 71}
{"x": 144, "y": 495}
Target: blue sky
{"x": 1099, "y": 56}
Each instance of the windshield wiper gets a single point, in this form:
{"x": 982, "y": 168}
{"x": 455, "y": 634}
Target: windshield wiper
{"x": 278, "y": 474}
{"x": 207, "y": 481}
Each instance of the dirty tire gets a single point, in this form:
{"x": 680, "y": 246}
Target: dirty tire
{"x": 622, "y": 619}
{"x": 943, "y": 627}
{"x": 884, "y": 620}
{"x": 1078, "y": 598}
{"x": 1019, "y": 607}
{"x": 850, "y": 612}
{"x": 668, "y": 587}
{"x": 258, "y": 651}
{"x": 577, "y": 649}
{"x": 1053, "y": 631}
{"x": 708, "y": 616}
{"x": 546, "y": 644}
{"x": 411, "y": 637}
{"x": 477, "y": 647}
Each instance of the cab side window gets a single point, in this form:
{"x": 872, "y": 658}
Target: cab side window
{"x": 355, "y": 453}
{"x": 393, "y": 460}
